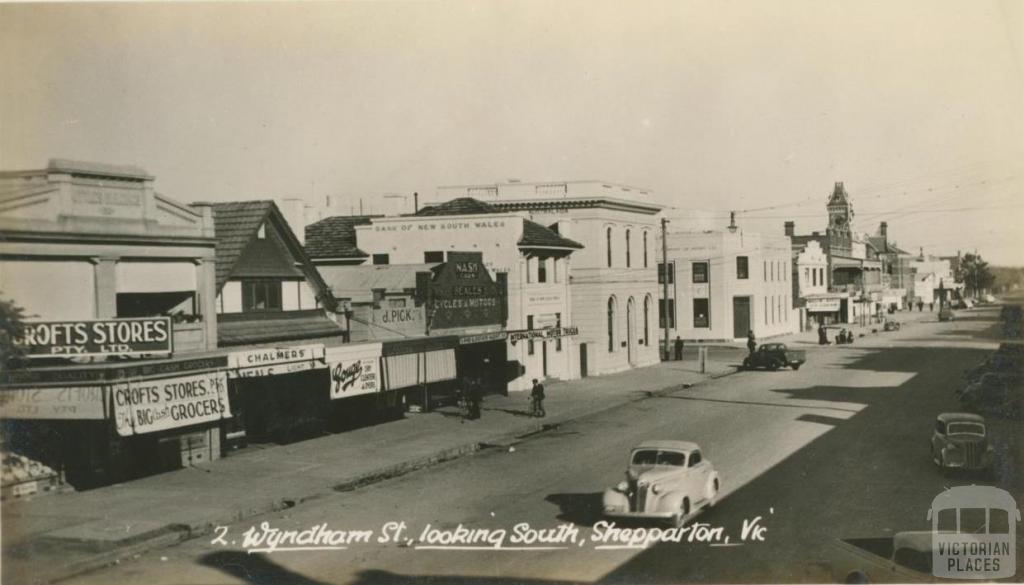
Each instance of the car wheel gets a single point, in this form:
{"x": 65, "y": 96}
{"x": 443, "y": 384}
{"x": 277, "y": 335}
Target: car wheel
{"x": 713, "y": 496}
{"x": 773, "y": 365}
{"x": 795, "y": 366}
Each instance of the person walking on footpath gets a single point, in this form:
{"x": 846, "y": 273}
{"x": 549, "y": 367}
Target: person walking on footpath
{"x": 751, "y": 341}
{"x": 679, "y": 349}
{"x": 473, "y": 398}
{"x": 822, "y": 335}
{"x": 537, "y": 398}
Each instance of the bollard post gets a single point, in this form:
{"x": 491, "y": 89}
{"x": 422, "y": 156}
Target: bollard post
{"x": 702, "y": 359}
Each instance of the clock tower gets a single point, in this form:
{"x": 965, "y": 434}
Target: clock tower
{"x": 840, "y": 219}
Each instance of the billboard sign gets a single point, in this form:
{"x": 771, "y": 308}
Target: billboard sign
{"x": 463, "y": 294}
{"x": 146, "y": 406}
{"x": 99, "y": 337}
{"x": 355, "y": 370}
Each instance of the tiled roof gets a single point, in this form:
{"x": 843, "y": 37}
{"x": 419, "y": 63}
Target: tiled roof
{"x": 235, "y": 224}
{"x": 460, "y": 206}
{"x": 535, "y": 234}
{"x": 288, "y": 327}
{"x": 357, "y": 283}
{"x": 335, "y": 237}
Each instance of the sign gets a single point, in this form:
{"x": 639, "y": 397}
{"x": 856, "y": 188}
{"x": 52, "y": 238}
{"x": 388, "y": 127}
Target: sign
{"x": 482, "y": 338}
{"x": 275, "y": 361}
{"x": 146, "y": 406}
{"x": 109, "y": 373}
{"x": 71, "y": 403}
{"x": 822, "y": 305}
{"x": 392, "y": 322}
{"x": 464, "y": 294}
{"x": 549, "y": 333}
{"x": 102, "y": 337}
{"x": 355, "y": 370}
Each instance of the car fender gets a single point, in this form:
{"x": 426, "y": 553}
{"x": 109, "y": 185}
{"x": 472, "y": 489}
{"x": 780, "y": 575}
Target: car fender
{"x": 672, "y": 501}
{"x": 613, "y": 498}
{"x": 709, "y": 489}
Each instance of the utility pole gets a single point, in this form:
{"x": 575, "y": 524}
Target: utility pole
{"x": 664, "y": 280}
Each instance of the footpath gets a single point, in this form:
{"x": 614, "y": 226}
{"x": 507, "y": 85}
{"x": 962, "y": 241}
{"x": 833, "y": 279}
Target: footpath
{"x": 56, "y": 536}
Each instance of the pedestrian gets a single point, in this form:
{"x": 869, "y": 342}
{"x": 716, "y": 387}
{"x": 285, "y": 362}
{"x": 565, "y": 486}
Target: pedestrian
{"x": 473, "y": 398}
{"x": 931, "y": 307}
{"x": 537, "y": 398}
{"x": 679, "y": 349}
{"x": 822, "y": 335}
{"x": 920, "y": 306}
{"x": 751, "y": 342}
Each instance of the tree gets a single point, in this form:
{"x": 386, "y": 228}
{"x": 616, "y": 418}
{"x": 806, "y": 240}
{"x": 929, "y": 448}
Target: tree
{"x": 975, "y": 273}
{"x": 12, "y": 327}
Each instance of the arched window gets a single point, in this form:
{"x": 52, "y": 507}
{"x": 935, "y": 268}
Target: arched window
{"x": 627, "y": 249}
{"x": 611, "y": 324}
{"x": 608, "y": 237}
{"x": 647, "y": 317}
{"x": 645, "y": 248}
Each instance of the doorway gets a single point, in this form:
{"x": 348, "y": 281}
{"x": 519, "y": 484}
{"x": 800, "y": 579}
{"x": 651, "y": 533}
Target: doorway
{"x": 740, "y": 316}
{"x": 583, "y": 360}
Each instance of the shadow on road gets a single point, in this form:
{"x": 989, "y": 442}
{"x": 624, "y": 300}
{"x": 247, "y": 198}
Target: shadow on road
{"x": 580, "y": 509}
{"x": 255, "y": 569}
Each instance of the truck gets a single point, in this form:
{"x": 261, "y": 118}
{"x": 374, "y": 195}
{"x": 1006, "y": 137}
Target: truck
{"x": 773, "y": 356}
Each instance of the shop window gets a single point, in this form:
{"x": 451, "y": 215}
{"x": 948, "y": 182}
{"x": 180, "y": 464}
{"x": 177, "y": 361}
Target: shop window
{"x": 701, "y": 314}
{"x": 611, "y": 324}
{"x": 647, "y": 320}
{"x": 261, "y": 295}
{"x": 671, "y": 273}
{"x": 700, "y": 272}
{"x": 431, "y": 257}
{"x": 671, "y": 313}
{"x": 380, "y": 259}
{"x": 742, "y": 268}
{"x": 529, "y": 343}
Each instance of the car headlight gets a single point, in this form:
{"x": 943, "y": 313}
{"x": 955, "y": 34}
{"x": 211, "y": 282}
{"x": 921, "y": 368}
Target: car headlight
{"x": 656, "y": 489}
{"x": 622, "y": 487}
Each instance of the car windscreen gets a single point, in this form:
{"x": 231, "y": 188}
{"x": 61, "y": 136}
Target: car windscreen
{"x": 965, "y": 428}
{"x": 656, "y": 457}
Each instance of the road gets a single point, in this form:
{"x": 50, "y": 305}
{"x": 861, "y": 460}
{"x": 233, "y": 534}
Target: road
{"x": 835, "y": 450}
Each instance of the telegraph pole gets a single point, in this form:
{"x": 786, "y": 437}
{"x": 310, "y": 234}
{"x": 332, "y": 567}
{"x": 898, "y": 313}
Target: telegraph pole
{"x": 664, "y": 280}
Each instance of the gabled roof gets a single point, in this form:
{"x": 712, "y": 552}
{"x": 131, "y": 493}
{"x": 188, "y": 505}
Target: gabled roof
{"x": 460, "y": 206}
{"x": 335, "y": 237}
{"x": 236, "y": 224}
{"x": 534, "y": 234}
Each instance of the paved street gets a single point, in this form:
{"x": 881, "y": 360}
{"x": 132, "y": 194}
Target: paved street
{"x": 835, "y": 450}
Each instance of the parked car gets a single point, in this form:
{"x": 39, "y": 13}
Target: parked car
{"x": 774, "y": 356}
{"x": 946, "y": 314}
{"x": 960, "y": 441}
{"x": 891, "y": 325}
{"x": 994, "y": 393}
{"x": 665, "y": 480}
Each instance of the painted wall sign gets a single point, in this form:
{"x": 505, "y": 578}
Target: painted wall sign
{"x": 102, "y": 337}
{"x": 276, "y": 361}
{"x": 355, "y": 370}
{"x": 464, "y": 294}
{"x": 71, "y": 403}
{"x": 822, "y": 305}
{"x": 84, "y": 375}
{"x": 146, "y": 406}
{"x": 549, "y": 333}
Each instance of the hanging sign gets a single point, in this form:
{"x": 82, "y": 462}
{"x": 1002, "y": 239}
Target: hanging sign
{"x": 71, "y": 403}
{"x": 355, "y": 370}
{"x": 275, "y": 361}
{"x": 101, "y": 337}
{"x": 146, "y": 406}
{"x": 549, "y": 333}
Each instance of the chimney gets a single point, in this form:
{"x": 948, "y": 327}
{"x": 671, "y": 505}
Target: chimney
{"x": 790, "y": 228}
{"x": 883, "y": 229}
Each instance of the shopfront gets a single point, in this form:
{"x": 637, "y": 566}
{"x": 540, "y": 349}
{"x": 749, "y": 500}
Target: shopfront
{"x": 827, "y": 309}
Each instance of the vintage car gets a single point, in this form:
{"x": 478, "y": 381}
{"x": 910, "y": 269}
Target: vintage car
{"x": 905, "y": 557}
{"x": 960, "y": 441}
{"x": 891, "y": 325}
{"x": 665, "y": 480}
{"x": 774, "y": 356}
{"x": 946, "y": 314}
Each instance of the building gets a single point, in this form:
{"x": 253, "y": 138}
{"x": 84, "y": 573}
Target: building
{"x": 534, "y": 257}
{"x": 612, "y": 282}
{"x": 724, "y": 284}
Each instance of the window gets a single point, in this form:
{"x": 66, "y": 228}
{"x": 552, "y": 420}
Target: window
{"x": 694, "y": 459}
{"x": 742, "y": 268}
{"x": 430, "y": 257}
{"x": 773, "y": 309}
{"x": 381, "y": 259}
{"x": 700, "y": 272}
{"x": 261, "y": 295}
{"x": 608, "y": 238}
{"x": 261, "y": 234}
{"x": 611, "y": 323}
{"x": 542, "y": 269}
{"x": 766, "y": 310}
{"x": 647, "y": 321}
{"x": 628, "y": 251}
{"x": 558, "y": 324}
{"x": 701, "y": 313}
{"x": 807, "y": 277}
{"x": 396, "y": 303}
{"x": 764, "y": 275}
{"x": 645, "y": 249}
{"x": 671, "y": 313}
{"x": 671, "y": 273}
{"x": 529, "y": 326}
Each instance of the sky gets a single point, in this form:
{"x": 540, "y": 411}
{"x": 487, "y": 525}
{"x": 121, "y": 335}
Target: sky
{"x": 755, "y": 107}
